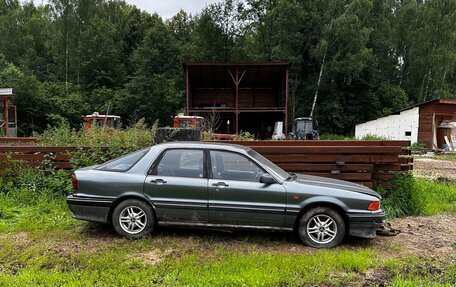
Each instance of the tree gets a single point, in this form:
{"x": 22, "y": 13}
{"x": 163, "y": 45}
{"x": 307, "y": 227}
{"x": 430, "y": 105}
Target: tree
{"x": 152, "y": 91}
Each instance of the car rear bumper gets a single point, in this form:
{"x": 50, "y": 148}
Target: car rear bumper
{"x": 365, "y": 225}
{"x": 89, "y": 208}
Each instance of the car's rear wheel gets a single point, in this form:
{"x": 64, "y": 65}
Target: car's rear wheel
{"x": 321, "y": 227}
{"x": 133, "y": 218}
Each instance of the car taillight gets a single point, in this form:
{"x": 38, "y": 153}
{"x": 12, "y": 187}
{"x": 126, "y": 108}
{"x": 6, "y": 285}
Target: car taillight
{"x": 74, "y": 182}
{"x": 373, "y": 206}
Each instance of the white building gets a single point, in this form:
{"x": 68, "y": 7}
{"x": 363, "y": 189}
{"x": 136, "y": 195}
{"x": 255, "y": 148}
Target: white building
{"x": 429, "y": 123}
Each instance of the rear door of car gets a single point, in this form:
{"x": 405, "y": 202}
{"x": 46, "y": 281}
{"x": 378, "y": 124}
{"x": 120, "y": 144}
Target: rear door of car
{"x": 236, "y": 196}
{"x": 177, "y": 186}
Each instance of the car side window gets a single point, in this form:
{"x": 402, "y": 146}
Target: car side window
{"x": 233, "y": 166}
{"x": 124, "y": 163}
{"x": 181, "y": 163}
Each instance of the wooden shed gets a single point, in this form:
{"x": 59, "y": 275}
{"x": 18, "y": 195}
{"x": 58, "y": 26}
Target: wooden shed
{"x": 432, "y": 123}
{"x": 249, "y": 96}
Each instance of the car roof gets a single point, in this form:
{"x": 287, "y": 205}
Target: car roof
{"x": 208, "y": 145}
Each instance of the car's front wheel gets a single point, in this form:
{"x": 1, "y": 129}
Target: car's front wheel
{"x": 133, "y": 218}
{"x": 321, "y": 227}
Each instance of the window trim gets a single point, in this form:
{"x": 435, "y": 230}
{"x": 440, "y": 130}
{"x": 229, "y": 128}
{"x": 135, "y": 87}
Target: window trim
{"x": 153, "y": 169}
{"x": 229, "y": 151}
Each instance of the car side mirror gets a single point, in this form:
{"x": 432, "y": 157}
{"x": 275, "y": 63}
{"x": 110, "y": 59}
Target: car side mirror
{"x": 267, "y": 178}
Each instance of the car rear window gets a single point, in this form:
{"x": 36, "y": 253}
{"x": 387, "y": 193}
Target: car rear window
{"x": 125, "y": 162}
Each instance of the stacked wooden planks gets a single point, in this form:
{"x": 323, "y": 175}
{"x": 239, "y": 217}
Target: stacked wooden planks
{"x": 35, "y": 156}
{"x": 364, "y": 162}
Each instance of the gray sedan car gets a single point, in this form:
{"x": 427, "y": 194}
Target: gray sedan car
{"x": 220, "y": 185}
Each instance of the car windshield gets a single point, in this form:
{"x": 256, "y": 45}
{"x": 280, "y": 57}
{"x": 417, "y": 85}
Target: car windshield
{"x": 125, "y": 162}
{"x": 264, "y": 161}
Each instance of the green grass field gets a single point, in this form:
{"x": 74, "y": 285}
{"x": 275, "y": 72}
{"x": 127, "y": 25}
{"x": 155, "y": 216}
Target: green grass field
{"x": 41, "y": 245}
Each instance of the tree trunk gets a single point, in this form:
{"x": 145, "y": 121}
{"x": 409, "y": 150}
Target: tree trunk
{"x": 318, "y": 82}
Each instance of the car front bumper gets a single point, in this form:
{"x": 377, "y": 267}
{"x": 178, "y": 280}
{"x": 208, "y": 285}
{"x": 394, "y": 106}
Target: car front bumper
{"x": 89, "y": 208}
{"x": 365, "y": 225}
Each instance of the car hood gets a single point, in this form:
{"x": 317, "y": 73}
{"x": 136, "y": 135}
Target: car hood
{"x": 335, "y": 183}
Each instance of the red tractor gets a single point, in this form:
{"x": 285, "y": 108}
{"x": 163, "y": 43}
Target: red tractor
{"x": 182, "y": 121}
{"x": 96, "y": 119}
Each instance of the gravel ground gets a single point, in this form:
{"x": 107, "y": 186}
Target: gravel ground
{"x": 433, "y": 168}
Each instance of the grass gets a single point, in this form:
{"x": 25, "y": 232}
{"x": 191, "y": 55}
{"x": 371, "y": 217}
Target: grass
{"x": 419, "y": 272}
{"x": 437, "y": 197}
{"x": 84, "y": 257}
{"x": 448, "y": 156}
{"x": 41, "y": 245}
{"x": 415, "y": 196}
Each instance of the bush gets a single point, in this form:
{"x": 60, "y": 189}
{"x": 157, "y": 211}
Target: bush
{"x": 370, "y": 137}
{"x": 401, "y": 199}
{"x": 410, "y": 196}
{"x": 103, "y": 143}
{"x": 327, "y": 137}
{"x": 418, "y": 147}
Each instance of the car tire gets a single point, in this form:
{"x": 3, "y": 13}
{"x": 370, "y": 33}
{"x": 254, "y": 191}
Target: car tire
{"x": 321, "y": 227}
{"x": 133, "y": 219}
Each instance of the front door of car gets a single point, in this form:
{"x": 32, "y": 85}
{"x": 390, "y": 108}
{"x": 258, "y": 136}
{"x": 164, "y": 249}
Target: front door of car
{"x": 177, "y": 186}
{"x": 236, "y": 196}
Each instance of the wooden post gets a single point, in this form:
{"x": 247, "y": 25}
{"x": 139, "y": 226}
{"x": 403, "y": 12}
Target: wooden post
{"x": 6, "y": 116}
{"x": 187, "y": 90}
{"x": 286, "y": 102}
{"x": 237, "y": 100}
{"x": 237, "y": 80}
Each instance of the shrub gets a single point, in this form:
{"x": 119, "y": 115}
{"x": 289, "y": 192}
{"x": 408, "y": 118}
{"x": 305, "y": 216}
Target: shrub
{"x": 335, "y": 137}
{"x": 96, "y": 144}
{"x": 402, "y": 198}
{"x": 412, "y": 196}
{"x": 418, "y": 147}
{"x": 245, "y": 136}
{"x": 371, "y": 137}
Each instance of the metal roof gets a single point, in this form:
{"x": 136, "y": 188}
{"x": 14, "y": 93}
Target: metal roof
{"x": 236, "y": 64}
{"x": 439, "y": 100}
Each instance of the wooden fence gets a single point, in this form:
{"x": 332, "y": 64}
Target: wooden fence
{"x": 364, "y": 162}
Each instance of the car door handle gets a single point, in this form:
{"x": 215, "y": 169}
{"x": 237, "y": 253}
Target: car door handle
{"x": 158, "y": 181}
{"x": 220, "y": 184}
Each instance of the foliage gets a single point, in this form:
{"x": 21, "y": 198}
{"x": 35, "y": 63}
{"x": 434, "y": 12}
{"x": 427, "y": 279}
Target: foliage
{"x": 68, "y": 58}
{"x": 371, "y": 137}
{"x": 103, "y": 143}
{"x": 402, "y": 198}
{"x": 437, "y": 196}
{"x": 418, "y": 147}
{"x": 333, "y": 137}
{"x": 411, "y": 196}
{"x": 245, "y": 136}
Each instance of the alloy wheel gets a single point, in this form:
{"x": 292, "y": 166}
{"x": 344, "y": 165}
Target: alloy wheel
{"x": 321, "y": 229}
{"x": 133, "y": 219}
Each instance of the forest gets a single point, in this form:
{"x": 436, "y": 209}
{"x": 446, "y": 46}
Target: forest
{"x": 360, "y": 59}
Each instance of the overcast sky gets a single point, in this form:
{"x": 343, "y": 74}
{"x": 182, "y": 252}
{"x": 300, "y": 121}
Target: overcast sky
{"x": 165, "y": 8}
{"x": 168, "y": 8}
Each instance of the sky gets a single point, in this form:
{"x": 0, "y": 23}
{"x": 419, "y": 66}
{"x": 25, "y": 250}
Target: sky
{"x": 165, "y": 8}
{"x": 169, "y": 8}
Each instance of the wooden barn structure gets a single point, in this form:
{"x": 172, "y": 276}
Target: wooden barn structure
{"x": 432, "y": 123}
{"x": 248, "y": 97}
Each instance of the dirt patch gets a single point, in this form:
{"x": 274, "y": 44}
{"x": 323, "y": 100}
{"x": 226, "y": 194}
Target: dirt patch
{"x": 434, "y": 168}
{"x": 154, "y": 257}
{"x": 422, "y": 236}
